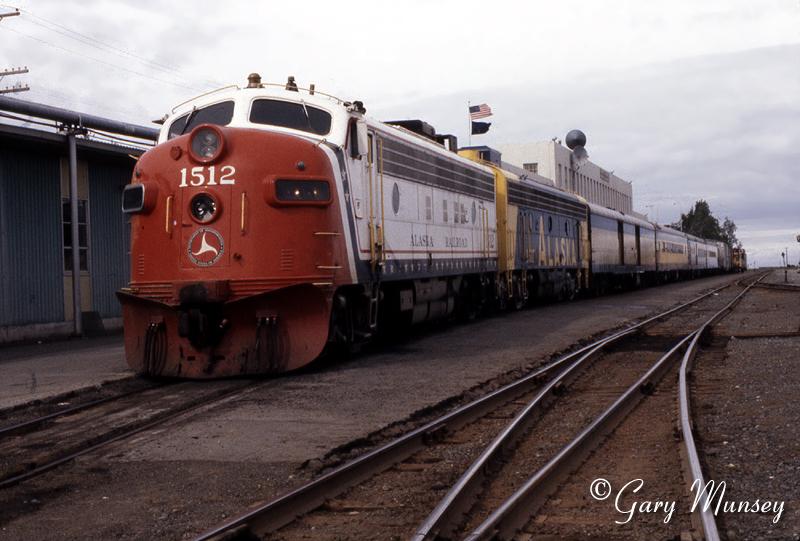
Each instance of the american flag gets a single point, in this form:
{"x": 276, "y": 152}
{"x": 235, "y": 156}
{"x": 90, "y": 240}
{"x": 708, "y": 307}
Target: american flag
{"x": 479, "y": 111}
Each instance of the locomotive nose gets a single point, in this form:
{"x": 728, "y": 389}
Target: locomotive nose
{"x": 237, "y": 256}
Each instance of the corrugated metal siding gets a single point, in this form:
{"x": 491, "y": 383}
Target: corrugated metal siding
{"x": 110, "y": 236}
{"x": 31, "y": 266}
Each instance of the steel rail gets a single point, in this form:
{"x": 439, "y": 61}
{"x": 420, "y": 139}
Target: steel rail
{"x": 781, "y": 287}
{"x": 287, "y": 507}
{"x": 7, "y": 482}
{"x": 33, "y": 423}
{"x": 707, "y": 520}
{"x": 445, "y": 517}
{"x": 523, "y": 504}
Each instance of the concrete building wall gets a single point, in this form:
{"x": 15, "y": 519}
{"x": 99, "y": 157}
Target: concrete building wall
{"x": 553, "y": 160}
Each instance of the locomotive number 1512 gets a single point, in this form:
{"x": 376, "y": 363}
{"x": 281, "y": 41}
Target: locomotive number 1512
{"x": 207, "y": 176}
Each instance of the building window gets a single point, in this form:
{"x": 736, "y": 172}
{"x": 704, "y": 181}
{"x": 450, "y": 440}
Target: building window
{"x": 83, "y": 234}
{"x": 428, "y": 208}
{"x": 444, "y": 210}
{"x": 532, "y": 167}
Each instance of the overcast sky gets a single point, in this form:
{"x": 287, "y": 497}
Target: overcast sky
{"x": 686, "y": 99}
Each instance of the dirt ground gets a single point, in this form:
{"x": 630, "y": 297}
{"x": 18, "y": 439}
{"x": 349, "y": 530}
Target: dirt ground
{"x": 748, "y": 418}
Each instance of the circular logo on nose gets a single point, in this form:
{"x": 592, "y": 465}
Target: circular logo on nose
{"x": 205, "y": 247}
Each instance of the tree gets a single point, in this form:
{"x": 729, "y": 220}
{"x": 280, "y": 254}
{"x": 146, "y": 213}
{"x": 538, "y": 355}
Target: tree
{"x": 700, "y": 222}
{"x": 728, "y": 231}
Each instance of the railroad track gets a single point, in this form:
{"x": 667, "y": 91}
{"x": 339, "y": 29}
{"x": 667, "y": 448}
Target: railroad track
{"x": 61, "y": 408}
{"x": 434, "y": 446}
{"x": 779, "y": 287}
{"x": 39, "y": 445}
{"x": 516, "y": 511}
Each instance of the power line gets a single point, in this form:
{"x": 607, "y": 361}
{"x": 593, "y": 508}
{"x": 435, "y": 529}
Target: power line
{"x": 107, "y": 47}
{"x": 77, "y": 101}
{"x": 99, "y": 61}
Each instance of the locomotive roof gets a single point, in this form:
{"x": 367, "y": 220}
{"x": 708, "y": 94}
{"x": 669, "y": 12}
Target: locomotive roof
{"x": 616, "y": 215}
{"x": 673, "y": 231}
{"x": 337, "y": 108}
{"x": 417, "y": 139}
{"x": 317, "y": 98}
{"x": 340, "y": 110}
{"x": 552, "y": 190}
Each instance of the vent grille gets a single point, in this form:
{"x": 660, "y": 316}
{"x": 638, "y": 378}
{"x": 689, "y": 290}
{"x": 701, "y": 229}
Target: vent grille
{"x": 287, "y": 259}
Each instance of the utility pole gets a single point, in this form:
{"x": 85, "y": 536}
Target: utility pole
{"x": 18, "y": 87}
{"x": 786, "y": 265}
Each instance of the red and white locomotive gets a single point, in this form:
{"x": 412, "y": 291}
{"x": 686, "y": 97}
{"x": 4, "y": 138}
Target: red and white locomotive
{"x": 271, "y": 222}
{"x": 261, "y": 225}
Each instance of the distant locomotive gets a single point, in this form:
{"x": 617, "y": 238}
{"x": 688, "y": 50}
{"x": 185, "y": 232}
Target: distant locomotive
{"x": 271, "y": 222}
{"x": 739, "y": 260}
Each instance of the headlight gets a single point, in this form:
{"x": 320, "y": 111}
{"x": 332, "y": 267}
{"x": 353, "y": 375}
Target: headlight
{"x": 206, "y": 144}
{"x": 203, "y": 207}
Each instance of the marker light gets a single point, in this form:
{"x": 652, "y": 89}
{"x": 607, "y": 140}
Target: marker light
{"x": 139, "y": 198}
{"x": 302, "y": 190}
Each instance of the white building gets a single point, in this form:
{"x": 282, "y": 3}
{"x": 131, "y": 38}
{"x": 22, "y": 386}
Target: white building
{"x": 552, "y": 160}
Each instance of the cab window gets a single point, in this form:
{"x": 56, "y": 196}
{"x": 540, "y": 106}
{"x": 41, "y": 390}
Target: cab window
{"x": 286, "y": 114}
{"x": 219, "y": 114}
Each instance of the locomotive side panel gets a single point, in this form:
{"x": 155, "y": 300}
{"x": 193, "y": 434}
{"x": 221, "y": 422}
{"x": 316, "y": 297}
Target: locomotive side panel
{"x": 631, "y": 259}
{"x": 712, "y": 256}
{"x": 647, "y": 248}
{"x": 693, "y": 254}
{"x": 606, "y": 245}
{"x": 672, "y": 253}
{"x": 436, "y": 213}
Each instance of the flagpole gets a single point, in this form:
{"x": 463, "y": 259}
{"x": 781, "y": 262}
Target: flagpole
{"x": 469, "y": 123}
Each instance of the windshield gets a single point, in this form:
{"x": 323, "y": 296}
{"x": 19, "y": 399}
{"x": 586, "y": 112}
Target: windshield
{"x": 219, "y": 114}
{"x": 297, "y": 116}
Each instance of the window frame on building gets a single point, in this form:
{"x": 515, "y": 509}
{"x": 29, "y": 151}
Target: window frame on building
{"x": 83, "y": 235}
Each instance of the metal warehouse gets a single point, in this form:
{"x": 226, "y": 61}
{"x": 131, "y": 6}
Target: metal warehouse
{"x": 36, "y": 293}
